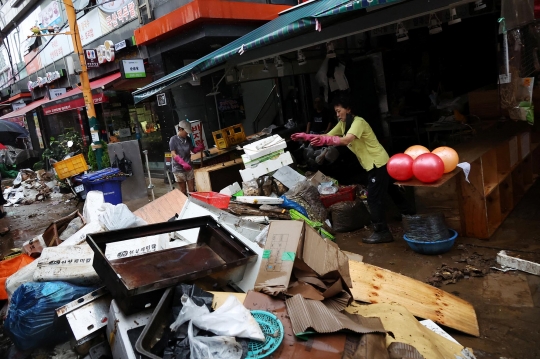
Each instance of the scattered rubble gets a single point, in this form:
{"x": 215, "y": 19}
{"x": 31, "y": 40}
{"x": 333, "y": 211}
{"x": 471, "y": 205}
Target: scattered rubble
{"x": 30, "y": 187}
{"x": 475, "y": 266}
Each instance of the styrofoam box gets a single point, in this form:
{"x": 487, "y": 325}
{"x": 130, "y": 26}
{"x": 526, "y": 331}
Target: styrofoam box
{"x": 252, "y": 152}
{"x": 265, "y": 167}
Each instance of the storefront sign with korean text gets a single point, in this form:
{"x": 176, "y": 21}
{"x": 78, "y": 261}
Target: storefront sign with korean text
{"x": 117, "y": 12}
{"x": 17, "y": 105}
{"x": 133, "y": 69}
{"x": 91, "y": 59}
{"x": 197, "y": 134}
{"x": 41, "y": 81}
{"x": 57, "y": 92}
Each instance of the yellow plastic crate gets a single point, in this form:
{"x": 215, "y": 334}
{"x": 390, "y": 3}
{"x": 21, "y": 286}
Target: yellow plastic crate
{"x": 229, "y": 136}
{"x": 70, "y": 167}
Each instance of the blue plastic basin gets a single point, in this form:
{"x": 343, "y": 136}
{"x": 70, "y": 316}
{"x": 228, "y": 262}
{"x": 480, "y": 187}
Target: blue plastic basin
{"x": 438, "y": 247}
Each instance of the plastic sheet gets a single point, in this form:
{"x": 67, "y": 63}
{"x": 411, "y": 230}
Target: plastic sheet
{"x": 32, "y": 321}
{"x": 10, "y": 266}
{"x": 119, "y": 217}
{"x": 219, "y": 347}
{"x": 94, "y": 201}
{"x": 349, "y": 216}
{"x": 289, "y": 204}
{"x": 425, "y": 227}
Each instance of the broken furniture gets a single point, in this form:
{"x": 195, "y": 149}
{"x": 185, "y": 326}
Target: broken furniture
{"x": 51, "y": 236}
{"x": 216, "y": 177}
{"x": 502, "y": 171}
{"x": 139, "y": 281}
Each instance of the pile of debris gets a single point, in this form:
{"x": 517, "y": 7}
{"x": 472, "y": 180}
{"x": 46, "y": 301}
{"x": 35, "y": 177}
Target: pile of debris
{"x": 475, "y": 265}
{"x": 30, "y": 187}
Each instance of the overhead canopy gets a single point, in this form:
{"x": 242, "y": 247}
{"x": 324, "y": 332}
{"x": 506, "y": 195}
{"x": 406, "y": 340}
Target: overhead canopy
{"x": 23, "y": 111}
{"x": 73, "y": 99}
{"x": 289, "y": 24}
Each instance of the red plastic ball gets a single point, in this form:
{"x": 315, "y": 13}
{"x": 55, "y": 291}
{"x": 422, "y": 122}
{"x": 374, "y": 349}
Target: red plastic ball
{"x": 428, "y": 167}
{"x": 399, "y": 167}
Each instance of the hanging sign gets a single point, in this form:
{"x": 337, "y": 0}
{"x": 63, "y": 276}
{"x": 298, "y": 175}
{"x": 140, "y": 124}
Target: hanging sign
{"x": 132, "y": 69}
{"x": 18, "y": 105}
{"x": 120, "y": 45}
{"x": 91, "y": 59}
{"x": 105, "y": 52}
{"x": 197, "y": 134}
{"x": 161, "y": 99}
{"x": 47, "y": 79}
{"x": 54, "y": 93}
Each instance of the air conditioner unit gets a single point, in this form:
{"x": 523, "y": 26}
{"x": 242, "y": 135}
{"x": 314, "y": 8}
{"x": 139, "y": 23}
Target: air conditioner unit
{"x": 16, "y": 3}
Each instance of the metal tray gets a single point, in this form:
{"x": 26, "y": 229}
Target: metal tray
{"x": 153, "y": 331}
{"x": 134, "y": 281}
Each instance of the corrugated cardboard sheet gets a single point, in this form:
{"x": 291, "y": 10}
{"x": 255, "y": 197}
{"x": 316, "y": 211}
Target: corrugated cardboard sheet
{"x": 308, "y": 314}
{"x": 328, "y": 346}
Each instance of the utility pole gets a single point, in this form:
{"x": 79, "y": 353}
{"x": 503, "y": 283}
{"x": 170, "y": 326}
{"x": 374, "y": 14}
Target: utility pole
{"x": 85, "y": 82}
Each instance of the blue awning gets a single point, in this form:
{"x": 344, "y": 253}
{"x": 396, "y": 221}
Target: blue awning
{"x": 291, "y": 23}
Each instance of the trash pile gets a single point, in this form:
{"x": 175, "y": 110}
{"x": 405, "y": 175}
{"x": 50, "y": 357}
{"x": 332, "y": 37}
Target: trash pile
{"x": 272, "y": 189}
{"x": 111, "y": 286}
{"x": 30, "y": 186}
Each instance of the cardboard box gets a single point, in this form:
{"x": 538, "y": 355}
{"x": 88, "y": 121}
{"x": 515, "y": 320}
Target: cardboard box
{"x": 283, "y": 240}
{"x": 264, "y": 147}
{"x": 35, "y": 246}
{"x": 319, "y": 178}
{"x": 249, "y": 163}
{"x": 293, "y": 245}
{"x": 266, "y": 167}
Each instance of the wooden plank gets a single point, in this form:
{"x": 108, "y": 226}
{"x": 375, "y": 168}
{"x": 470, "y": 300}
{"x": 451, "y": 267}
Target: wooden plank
{"x": 473, "y": 203}
{"x": 163, "y": 208}
{"x": 373, "y": 284}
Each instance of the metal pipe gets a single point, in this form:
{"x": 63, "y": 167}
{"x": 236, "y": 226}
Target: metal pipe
{"x": 150, "y": 186}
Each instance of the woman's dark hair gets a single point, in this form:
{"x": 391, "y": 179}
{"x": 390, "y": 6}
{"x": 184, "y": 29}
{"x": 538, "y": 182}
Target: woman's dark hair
{"x": 342, "y": 100}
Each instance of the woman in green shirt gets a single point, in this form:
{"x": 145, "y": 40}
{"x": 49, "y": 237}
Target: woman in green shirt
{"x": 355, "y": 133}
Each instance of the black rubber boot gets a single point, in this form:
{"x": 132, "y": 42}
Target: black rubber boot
{"x": 381, "y": 234}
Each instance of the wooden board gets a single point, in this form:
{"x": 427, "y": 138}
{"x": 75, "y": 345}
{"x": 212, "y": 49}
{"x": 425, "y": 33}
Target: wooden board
{"x": 163, "y": 208}
{"x": 373, "y": 284}
{"x": 216, "y": 177}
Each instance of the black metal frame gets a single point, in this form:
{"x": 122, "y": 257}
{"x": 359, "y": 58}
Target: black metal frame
{"x": 229, "y": 248}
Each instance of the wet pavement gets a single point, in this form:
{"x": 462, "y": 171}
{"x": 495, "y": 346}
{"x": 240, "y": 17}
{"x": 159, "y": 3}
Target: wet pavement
{"x": 507, "y": 304}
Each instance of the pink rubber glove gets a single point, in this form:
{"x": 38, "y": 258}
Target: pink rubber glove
{"x": 301, "y": 136}
{"x": 320, "y": 141}
{"x": 199, "y": 148}
{"x": 182, "y": 163}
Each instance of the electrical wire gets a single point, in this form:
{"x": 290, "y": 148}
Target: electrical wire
{"x": 43, "y": 48}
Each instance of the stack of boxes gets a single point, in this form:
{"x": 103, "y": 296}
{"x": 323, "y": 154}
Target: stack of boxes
{"x": 264, "y": 156}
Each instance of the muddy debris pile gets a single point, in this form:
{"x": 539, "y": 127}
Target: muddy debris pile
{"x": 474, "y": 265}
{"x": 31, "y": 186}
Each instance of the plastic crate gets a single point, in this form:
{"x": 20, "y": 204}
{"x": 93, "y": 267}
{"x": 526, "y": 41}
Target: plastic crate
{"x": 229, "y": 136}
{"x": 70, "y": 167}
{"x": 347, "y": 193}
{"x": 217, "y": 200}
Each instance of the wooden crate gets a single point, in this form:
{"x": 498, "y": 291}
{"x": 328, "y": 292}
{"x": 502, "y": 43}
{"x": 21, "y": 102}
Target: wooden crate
{"x": 216, "y": 177}
{"x": 503, "y": 167}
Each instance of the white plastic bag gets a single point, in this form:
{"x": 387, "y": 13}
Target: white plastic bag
{"x": 94, "y": 201}
{"x": 231, "y": 319}
{"x": 220, "y": 347}
{"x": 119, "y": 217}
{"x": 189, "y": 311}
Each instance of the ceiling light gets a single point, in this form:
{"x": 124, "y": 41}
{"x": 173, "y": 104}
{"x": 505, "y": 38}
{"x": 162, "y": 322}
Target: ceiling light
{"x": 278, "y": 62}
{"x": 454, "y": 19}
{"x": 401, "y": 32}
{"x": 265, "y": 69}
{"x": 330, "y": 53}
{"x": 301, "y": 58}
{"x": 479, "y": 5}
{"x": 434, "y": 24}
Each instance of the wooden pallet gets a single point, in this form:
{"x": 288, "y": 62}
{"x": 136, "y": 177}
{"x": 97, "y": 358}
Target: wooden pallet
{"x": 163, "y": 208}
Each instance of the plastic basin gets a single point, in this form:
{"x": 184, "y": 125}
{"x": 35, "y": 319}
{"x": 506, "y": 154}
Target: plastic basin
{"x": 438, "y": 247}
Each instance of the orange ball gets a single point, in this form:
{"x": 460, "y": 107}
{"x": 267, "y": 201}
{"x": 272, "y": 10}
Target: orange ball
{"x": 415, "y": 151}
{"x": 449, "y": 156}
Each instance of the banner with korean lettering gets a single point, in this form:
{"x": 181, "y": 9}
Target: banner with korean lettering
{"x": 91, "y": 27}
{"x": 117, "y": 13}
{"x": 58, "y": 47}
{"x": 197, "y": 134}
